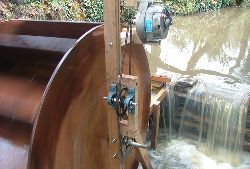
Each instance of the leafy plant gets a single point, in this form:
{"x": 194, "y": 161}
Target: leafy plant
{"x": 92, "y": 10}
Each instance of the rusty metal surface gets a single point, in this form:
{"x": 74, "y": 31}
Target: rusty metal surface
{"x": 51, "y": 104}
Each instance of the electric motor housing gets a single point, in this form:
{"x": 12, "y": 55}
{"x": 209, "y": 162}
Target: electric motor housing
{"x": 153, "y": 23}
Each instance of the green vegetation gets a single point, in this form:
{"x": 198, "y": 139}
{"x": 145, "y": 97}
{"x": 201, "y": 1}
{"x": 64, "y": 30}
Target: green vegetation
{"x": 185, "y": 7}
{"x": 43, "y": 10}
{"x": 92, "y": 10}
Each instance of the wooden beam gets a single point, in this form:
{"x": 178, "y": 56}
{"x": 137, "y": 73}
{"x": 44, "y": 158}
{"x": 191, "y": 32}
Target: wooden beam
{"x": 163, "y": 79}
{"x": 112, "y": 54}
{"x": 158, "y": 97}
{"x": 155, "y": 128}
{"x": 131, "y": 3}
{"x": 133, "y": 123}
{"x": 158, "y": 82}
{"x": 155, "y": 112}
{"x": 132, "y": 82}
{"x": 142, "y": 154}
{"x": 127, "y": 131}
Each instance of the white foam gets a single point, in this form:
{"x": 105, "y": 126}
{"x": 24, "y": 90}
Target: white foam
{"x": 183, "y": 154}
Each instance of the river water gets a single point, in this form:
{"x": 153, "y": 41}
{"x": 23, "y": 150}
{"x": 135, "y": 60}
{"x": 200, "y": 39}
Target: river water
{"x": 207, "y": 45}
{"x": 214, "y": 48}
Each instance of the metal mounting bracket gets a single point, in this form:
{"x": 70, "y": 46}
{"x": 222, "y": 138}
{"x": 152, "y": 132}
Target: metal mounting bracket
{"x": 111, "y": 98}
{"x": 129, "y": 102}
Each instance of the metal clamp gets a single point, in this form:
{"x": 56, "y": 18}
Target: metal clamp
{"x": 124, "y": 103}
{"x": 111, "y": 98}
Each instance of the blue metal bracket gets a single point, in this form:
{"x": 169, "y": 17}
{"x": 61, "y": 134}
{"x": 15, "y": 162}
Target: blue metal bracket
{"x": 129, "y": 102}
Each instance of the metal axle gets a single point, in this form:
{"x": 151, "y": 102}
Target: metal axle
{"x": 134, "y": 144}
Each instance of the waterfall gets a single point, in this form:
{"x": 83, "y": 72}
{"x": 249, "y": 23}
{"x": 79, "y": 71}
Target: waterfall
{"x": 214, "y": 117}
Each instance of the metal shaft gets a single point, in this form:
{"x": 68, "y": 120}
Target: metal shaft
{"x": 134, "y": 144}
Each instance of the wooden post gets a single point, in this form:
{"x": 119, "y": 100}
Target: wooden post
{"x": 133, "y": 123}
{"x": 142, "y": 154}
{"x": 131, "y": 82}
{"x": 155, "y": 128}
{"x": 157, "y": 82}
{"x": 112, "y": 59}
{"x": 112, "y": 55}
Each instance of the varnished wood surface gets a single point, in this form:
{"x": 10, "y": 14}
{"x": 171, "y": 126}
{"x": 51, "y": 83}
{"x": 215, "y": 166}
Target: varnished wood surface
{"x": 71, "y": 126}
{"x": 37, "y": 42}
{"x": 73, "y": 30}
{"x": 26, "y": 65}
{"x": 112, "y": 56}
{"x": 14, "y": 143}
{"x": 20, "y": 98}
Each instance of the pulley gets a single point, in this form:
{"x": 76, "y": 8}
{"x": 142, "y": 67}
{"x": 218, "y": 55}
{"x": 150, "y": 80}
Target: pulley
{"x": 152, "y": 21}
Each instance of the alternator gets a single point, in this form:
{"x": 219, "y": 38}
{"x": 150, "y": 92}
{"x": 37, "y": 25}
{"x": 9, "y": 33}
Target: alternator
{"x": 152, "y": 21}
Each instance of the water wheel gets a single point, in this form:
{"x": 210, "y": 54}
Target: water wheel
{"x": 52, "y": 80}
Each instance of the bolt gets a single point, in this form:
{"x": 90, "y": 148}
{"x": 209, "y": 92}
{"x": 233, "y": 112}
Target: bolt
{"x": 105, "y": 98}
{"x": 114, "y": 156}
{"x": 114, "y": 140}
{"x": 110, "y": 44}
{"x": 132, "y": 103}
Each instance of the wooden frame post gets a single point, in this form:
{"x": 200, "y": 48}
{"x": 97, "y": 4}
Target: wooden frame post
{"x": 112, "y": 54}
{"x": 112, "y": 58}
{"x": 155, "y": 109}
{"x": 133, "y": 123}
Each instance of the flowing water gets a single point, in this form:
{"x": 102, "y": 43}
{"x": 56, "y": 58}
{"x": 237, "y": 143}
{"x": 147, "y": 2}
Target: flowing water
{"x": 216, "y": 121}
{"x": 207, "y": 45}
{"x": 207, "y": 130}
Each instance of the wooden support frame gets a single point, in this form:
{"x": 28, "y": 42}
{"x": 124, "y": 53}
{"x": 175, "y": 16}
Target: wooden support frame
{"x": 112, "y": 56}
{"x": 112, "y": 53}
{"x": 131, "y": 82}
{"x": 132, "y": 127}
{"x": 157, "y": 82}
{"x": 156, "y": 110}
{"x": 131, "y": 3}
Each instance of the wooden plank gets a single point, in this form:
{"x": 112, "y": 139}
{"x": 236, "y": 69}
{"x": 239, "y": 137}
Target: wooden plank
{"x": 155, "y": 129}
{"x": 142, "y": 155}
{"x": 133, "y": 123}
{"x": 155, "y": 111}
{"x": 112, "y": 54}
{"x": 131, "y": 3}
{"x": 47, "y": 28}
{"x": 127, "y": 131}
{"x": 129, "y": 81}
{"x": 158, "y": 97}
{"x": 158, "y": 82}
{"x": 132, "y": 82}
{"x": 53, "y": 44}
{"x": 163, "y": 79}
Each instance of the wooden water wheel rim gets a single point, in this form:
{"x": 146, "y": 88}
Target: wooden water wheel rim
{"x": 70, "y": 129}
